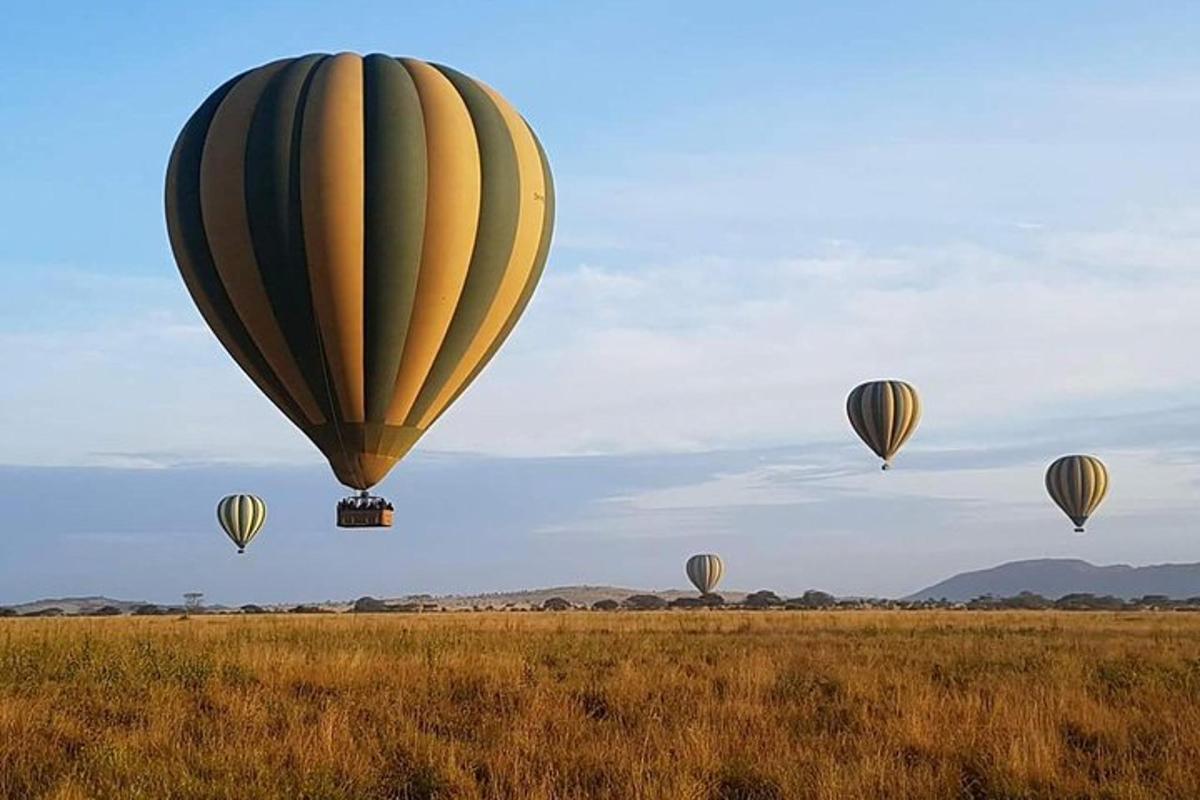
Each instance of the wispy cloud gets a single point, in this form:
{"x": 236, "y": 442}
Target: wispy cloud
{"x": 726, "y": 353}
{"x": 680, "y": 356}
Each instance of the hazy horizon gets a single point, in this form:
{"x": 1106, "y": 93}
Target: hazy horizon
{"x": 788, "y": 518}
{"x": 756, "y": 211}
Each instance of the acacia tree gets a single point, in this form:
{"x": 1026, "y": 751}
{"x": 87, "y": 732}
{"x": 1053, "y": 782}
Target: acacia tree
{"x": 764, "y": 598}
{"x": 192, "y": 602}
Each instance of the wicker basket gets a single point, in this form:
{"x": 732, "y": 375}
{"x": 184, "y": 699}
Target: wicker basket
{"x": 364, "y": 517}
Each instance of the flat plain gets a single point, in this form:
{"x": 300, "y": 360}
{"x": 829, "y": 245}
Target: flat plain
{"x": 730, "y": 705}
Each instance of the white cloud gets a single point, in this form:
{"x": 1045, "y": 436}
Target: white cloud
{"x": 723, "y": 353}
{"x": 131, "y": 378}
{"x": 771, "y": 484}
{"x": 691, "y": 355}
{"x": 847, "y": 525}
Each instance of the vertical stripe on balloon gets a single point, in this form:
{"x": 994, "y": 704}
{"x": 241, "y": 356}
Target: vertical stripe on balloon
{"x": 332, "y": 199}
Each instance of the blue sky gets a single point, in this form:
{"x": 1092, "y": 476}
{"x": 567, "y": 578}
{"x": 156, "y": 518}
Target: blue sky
{"x": 760, "y": 205}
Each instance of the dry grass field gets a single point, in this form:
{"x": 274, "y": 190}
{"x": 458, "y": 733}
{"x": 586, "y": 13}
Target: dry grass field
{"x": 678, "y": 705}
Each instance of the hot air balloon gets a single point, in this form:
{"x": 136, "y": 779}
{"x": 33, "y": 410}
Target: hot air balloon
{"x": 705, "y": 571}
{"x": 361, "y": 234}
{"x": 1078, "y": 485}
{"x": 884, "y": 414}
{"x": 242, "y": 517}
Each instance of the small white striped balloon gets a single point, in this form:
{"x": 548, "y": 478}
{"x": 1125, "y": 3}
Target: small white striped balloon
{"x": 705, "y": 571}
{"x": 242, "y": 517}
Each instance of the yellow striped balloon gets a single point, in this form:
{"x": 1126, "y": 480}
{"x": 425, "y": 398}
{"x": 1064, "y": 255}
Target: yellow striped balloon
{"x": 704, "y": 571}
{"x": 1077, "y": 484}
{"x": 361, "y": 234}
{"x": 884, "y": 414}
{"x": 242, "y": 517}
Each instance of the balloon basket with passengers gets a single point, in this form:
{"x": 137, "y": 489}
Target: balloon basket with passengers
{"x": 364, "y": 510}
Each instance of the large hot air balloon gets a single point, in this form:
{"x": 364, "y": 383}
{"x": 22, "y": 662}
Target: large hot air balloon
{"x": 242, "y": 517}
{"x": 884, "y": 414}
{"x": 705, "y": 571}
{"x": 361, "y": 234}
{"x": 1078, "y": 485}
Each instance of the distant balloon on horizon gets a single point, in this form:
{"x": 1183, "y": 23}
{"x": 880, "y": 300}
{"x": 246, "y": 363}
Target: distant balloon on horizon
{"x": 705, "y": 570}
{"x": 1077, "y": 484}
{"x": 884, "y": 414}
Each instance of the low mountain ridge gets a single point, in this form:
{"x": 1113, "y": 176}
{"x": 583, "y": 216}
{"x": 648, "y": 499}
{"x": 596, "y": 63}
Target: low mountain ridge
{"x": 76, "y": 605}
{"x": 1055, "y": 577}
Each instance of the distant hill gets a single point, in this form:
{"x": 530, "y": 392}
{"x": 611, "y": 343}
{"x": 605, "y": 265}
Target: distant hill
{"x": 77, "y": 605}
{"x": 1054, "y": 577}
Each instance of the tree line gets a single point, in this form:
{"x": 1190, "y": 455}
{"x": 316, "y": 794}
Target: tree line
{"x": 762, "y": 599}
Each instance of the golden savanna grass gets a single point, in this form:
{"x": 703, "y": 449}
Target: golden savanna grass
{"x": 701, "y": 705}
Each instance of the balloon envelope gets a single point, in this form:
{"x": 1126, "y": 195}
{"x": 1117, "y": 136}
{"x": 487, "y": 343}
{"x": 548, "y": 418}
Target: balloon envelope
{"x": 242, "y": 517}
{"x": 361, "y": 234}
{"x": 884, "y": 414}
{"x": 1077, "y": 484}
{"x": 705, "y": 571}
